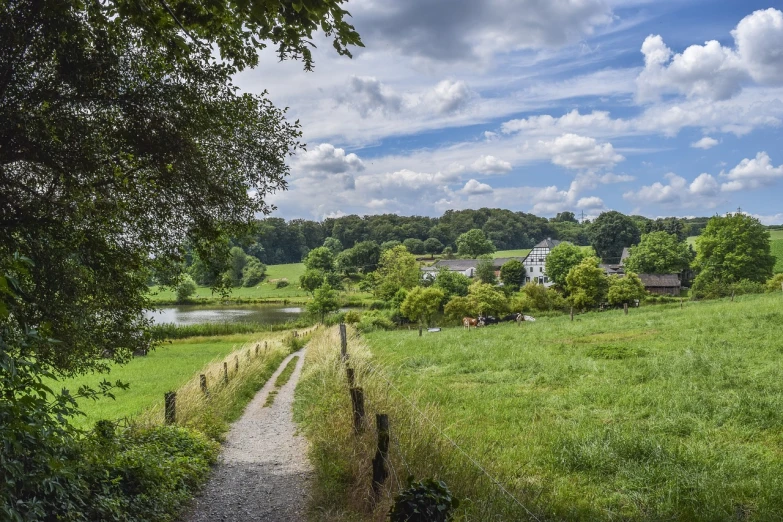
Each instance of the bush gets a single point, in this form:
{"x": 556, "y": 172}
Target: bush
{"x": 775, "y": 284}
{"x": 374, "y": 320}
{"x": 704, "y": 288}
{"x": 378, "y": 305}
{"x": 253, "y": 272}
{"x": 281, "y": 283}
{"x": 745, "y": 286}
{"x": 185, "y": 289}
{"x": 352, "y": 317}
{"x": 423, "y": 501}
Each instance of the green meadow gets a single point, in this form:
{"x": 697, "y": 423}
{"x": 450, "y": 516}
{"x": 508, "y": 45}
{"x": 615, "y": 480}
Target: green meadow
{"x": 164, "y": 369}
{"x": 522, "y": 252}
{"x": 663, "y": 414}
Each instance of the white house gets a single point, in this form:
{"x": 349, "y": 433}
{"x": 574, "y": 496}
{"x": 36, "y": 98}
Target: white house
{"x": 535, "y": 262}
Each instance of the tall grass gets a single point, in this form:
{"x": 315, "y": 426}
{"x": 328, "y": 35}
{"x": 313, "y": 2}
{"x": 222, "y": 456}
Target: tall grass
{"x": 182, "y": 331}
{"x": 664, "y": 414}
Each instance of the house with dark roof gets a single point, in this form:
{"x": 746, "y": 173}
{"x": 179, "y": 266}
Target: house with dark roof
{"x": 661, "y": 284}
{"x": 464, "y": 266}
{"x": 535, "y": 262}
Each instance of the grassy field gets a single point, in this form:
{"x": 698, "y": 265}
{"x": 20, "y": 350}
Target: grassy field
{"x": 165, "y": 369}
{"x": 522, "y": 252}
{"x": 664, "y": 414}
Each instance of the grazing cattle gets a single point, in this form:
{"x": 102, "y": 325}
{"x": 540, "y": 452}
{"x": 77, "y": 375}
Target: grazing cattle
{"x": 510, "y": 317}
{"x": 486, "y": 320}
{"x": 467, "y": 322}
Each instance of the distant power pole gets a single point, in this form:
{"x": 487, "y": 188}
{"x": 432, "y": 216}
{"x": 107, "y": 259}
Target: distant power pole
{"x": 583, "y": 218}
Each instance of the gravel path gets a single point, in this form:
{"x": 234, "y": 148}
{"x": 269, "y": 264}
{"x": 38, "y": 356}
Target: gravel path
{"x": 263, "y": 472}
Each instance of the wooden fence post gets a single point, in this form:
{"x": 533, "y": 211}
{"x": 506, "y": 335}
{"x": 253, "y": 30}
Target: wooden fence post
{"x": 236, "y": 363}
{"x": 732, "y": 296}
{"x": 170, "y": 406}
{"x": 351, "y": 377}
{"x": 203, "y": 381}
{"x": 625, "y": 308}
{"x": 419, "y": 330}
{"x": 266, "y": 345}
{"x": 357, "y": 400}
{"x": 248, "y": 355}
{"x": 572, "y": 313}
{"x": 225, "y": 372}
{"x": 256, "y": 349}
{"x": 379, "y": 471}
{"x": 681, "y": 301}
{"x": 343, "y": 342}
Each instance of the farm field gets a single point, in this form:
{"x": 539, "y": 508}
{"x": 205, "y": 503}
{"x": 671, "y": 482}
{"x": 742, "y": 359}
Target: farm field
{"x": 522, "y": 252}
{"x": 165, "y": 369}
{"x": 662, "y": 414}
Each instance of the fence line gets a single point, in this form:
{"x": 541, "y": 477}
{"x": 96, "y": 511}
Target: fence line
{"x": 377, "y": 370}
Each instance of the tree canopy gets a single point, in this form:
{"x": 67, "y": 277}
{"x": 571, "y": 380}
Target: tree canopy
{"x": 561, "y": 260}
{"x": 731, "y": 248}
{"x": 397, "y": 269}
{"x": 512, "y": 273}
{"x": 625, "y": 289}
{"x": 474, "y": 243}
{"x": 587, "y": 284}
{"x": 610, "y": 233}
{"x": 420, "y": 304}
{"x": 659, "y": 253}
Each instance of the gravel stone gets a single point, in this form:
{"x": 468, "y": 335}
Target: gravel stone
{"x": 263, "y": 473}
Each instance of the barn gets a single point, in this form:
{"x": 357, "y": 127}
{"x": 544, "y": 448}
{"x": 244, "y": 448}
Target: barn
{"x": 661, "y": 284}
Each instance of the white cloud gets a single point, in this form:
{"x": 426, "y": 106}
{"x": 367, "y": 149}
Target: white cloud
{"x": 571, "y": 122}
{"x": 712, "y": 71}
{"x": 491, "y": 165}
{"x": 752, "y": 174}
{"x": 774, "y": 219}
{"x": 473, "y": 187}
{"x": 705, "y": 143}
{"x": 579, "y": 152}
{"x": 369, "y": 96}
{"x": 326, "y": 158}
{"x": 590, "y": 203}
{"x": 448, "y": 97}
{"x": 677, "y": 193}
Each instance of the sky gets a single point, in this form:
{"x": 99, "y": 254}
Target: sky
{"x": 658, "y": 108}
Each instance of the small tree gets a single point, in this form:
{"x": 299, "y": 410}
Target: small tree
{"x": 474, "y": 243}
{"x": 512, "y": 273}
{"x": 486, "y": 299}
{"x": 452, "y": 283}
{"x": 333, "y": 244}
{"x": 625, "y": 289}
{"x": 459, "y": 307}
{"x": 433, "y": 246}
{"x": 324, "y": 301}
{"x": 253, "y": 272}
{"x": 414, "y": 246}
{"x": 561, "y": 260}
{"x": 448, "y": 253}
{"x": 485, "y": 271}
{"x": 397, "y": 269}
{"x": 775, "y": 284}
{"x": 388, "y": 245}
{"x": 311, "y": 280}
{"x": 587, "y": 284}
{"x": 320, "y": 258}
{"x": 422, "y": 303}
{"x": 186, "y": 288}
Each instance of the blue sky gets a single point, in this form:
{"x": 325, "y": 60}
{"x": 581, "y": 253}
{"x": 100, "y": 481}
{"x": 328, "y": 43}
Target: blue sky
{"x": 657, "y": 108}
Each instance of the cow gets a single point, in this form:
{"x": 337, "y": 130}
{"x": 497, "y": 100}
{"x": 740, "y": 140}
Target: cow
{"x": 467, "y": 322}
{"x": 510, "y": 317}
{"x": 486, "y": 320}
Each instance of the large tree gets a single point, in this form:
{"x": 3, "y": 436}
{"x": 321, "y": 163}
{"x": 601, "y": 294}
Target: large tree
{"x": 561, "y": 260}
{"x": 397, "y": 269}
{"x": 732, "y": 248}
{"x": 474, "y": 243}
{"x": 420, "y": 304}
{"x": 610, "y": 233}
{"x": 659, "y": 253}
{"x": 587, "y": 284}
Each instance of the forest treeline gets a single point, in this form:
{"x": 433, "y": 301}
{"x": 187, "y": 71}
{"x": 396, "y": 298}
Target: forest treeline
{"x": 277, "y": 241}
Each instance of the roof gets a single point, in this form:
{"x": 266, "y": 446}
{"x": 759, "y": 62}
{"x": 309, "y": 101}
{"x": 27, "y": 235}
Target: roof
{"x": 659, "y": 280}
{"x": 612, "y": 269}
{"x": 456, "y": 264}
{"x": 548, "y": 243}
{"x": 626, "y": 254}
{"x": 500, "y": 261}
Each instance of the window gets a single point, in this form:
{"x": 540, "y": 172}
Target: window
{"x": 527, "y": 280}
{"x": 540, "y": 268}
{"x": 546, "y": 279}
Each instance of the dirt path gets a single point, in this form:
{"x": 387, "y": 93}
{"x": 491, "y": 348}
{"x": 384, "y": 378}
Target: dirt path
{"x": 263, "y": 472}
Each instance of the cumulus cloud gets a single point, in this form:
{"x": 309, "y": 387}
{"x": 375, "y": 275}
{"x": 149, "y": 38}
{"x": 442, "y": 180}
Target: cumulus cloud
{"x": 326, "y": 158}
{"x": 677, "y": 192}
{"x": 491, "y": 165}
{"x": 705, "y": 143}
{"x": 368, "y": 95}
{"x": 752, "y": 174}
{"x": 773, "y": 219}
{"x": 453, "y": 30}
{"x": 448, "y": 97}
{"x": 573, "y": 122}
{"x": 711, "y": 70}
{"x": 579, "y": 152}
{"x": 473, "y": 187}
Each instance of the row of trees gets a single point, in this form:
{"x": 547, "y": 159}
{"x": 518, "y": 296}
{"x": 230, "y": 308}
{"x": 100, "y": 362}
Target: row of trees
{"x": 277, "y": 241}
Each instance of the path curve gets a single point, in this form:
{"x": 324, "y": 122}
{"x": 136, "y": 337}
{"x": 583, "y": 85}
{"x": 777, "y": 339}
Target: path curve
{"x": 263, "y": 473}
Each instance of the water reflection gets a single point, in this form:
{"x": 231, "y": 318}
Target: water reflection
{"x": 189, "y": 314}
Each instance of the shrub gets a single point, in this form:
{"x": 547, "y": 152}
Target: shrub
{"x": 775, "y": 284}
{"x": 352, "y": 317}
{"x": 374, "y": 320}
{"x": 423, "y": 501}
{"x": 281, "y": 283}
{"x": 378, "y": 305}
{"x": 186, "y": 288}
{"x": 746, "y": 286}
{"x": 253, "y": 272}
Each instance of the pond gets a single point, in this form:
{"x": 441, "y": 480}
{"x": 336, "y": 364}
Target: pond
{"x": 190, "y": 314}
